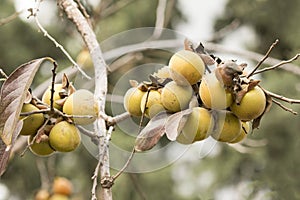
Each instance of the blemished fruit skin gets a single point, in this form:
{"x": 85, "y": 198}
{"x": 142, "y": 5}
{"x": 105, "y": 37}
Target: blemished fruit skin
{"x": 252, "y": 105}
{"x": 81, "y": 103}
{"x": 175, "y": 97}
{"x": 47, "y": 95}
{"x": 245, "y": 130}
{"x": 132, "y": 101}
{"x": 42, "y": 148}
{"x": 31, "y": 123}
{"x": 62, "y": 186}
{"x": 64, "y": 137}
{"x": 227, "y": 126}
{"x": 213, "y": 94}
{"x": 187, "y": 64}
{"x": 197, "y": 127}
{"x": 154, "y": 105}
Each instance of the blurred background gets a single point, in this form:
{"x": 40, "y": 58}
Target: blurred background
{"x": 266, "y": 166}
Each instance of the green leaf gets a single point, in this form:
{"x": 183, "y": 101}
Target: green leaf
{"x": 12, "y": 96}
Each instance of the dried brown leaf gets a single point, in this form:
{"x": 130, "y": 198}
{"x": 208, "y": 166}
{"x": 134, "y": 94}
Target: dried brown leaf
{"x": 5, "y": 151}
{"x": 176, "y": 122}
{"x": 152, "y": 133}
{"x": 28, "y": 97}
{"x": 65, "y": 81}
{"x": 207, "y": 59}
{"x": 252, "y": 84}
{"x": 240, "y": 94}
{"x": 188, "y": 45}
{"x": 133, "y": 83}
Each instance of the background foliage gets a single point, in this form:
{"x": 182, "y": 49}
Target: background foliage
{"x": 268, "y": 172}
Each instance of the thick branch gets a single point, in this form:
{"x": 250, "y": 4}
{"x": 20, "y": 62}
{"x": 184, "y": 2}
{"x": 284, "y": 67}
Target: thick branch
{"x": 89, "y": 37}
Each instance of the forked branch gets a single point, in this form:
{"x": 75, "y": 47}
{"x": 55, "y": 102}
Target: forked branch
{"x": 264, "y": 58}
{"x": 278, "y": 65}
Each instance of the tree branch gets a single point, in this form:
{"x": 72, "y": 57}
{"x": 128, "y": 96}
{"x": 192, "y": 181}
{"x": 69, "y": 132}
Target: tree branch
{"x": 282, "y": 98}
{"x": 160, "y": 18}
{"x": 57, "y": 44}
{"x": 89, "y": 37}
{"x": 278, "y": 65}
{"x": 213, "y": 47}
{"x": 10, "y": 18}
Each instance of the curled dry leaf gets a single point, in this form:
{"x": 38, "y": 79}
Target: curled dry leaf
{"x": 65, "y": 81}
{"x": 256, "y": 122}
{"x": 28, "y": 97}
{"x": 227, "y": 71}
{"x": 176, "y": 122}
{"x": 152, "y": 133}
{"x": 188, "y": 45}
{"x": 207, "y": 59}
{"x": 12, "y": 97}
{"x": 239, "y": 94}
{"x": 133, "y": 83}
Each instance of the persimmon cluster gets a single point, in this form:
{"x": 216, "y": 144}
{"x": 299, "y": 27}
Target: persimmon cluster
{"x": 52, "y": 130}
{"x": 223, "y": 100}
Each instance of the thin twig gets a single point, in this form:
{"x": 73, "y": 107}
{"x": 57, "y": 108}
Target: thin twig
{"x": 43, "y": 111}
{"x": 35, "y": 137}
{"x": 209, "y": 46}
{"x": 213, "y": 47}
{"x": 278, "y": 65}
{"x": 58, "y": 45}
{"x": 95, "y": 181}
{"x": 10, "y": 18}
{"x": 3, "y": 74}
{"x": 284, "y": 107}
{"x": 280, "y": 97}
{"x": 82, "y": 9}
{"x": 125, "y": 165}
{"x": 118, "y": 118}
{"x": 111, "y": 121}
{"x": 86, "y": 132}
{"x": 140, "y": 129}
{"x": 264, "y": 58}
